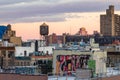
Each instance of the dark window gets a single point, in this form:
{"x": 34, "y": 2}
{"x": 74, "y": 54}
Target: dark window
{"x": 25, "y": 53}
{"x": 21, "y": 63}
{"x": 10, "y": 54}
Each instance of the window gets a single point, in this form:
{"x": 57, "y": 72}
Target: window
{"x": 3, "y": 53}
{"x": 47, "y": 53}
{"x": 28, "y": 64}
{"x": 21, "y": 63}
{"x": 117, "y": 48}
{"x": 25, "y": 64}
{"x": 10, "y": 54}
{"x": 17, "y": 64}
{"x": 25, "y": 53}
{"x": 20, "y": 53}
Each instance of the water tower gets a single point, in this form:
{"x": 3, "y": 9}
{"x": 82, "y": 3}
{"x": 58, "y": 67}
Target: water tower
{"x": 44, "y": 30}
{"x": 9, "y": 27}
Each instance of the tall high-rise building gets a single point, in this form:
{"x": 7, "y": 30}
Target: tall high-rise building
{"x": 110, "y": 23}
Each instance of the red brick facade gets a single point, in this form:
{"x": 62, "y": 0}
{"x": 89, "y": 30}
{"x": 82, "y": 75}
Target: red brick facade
{"x": 42, "y": 77}
{"x": 112, "y": 78}
{"x": 22, "y": 77}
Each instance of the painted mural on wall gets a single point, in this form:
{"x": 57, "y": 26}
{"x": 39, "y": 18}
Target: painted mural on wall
{"x": 68, "y": 63}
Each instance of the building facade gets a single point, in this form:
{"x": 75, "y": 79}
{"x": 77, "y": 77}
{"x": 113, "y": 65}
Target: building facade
{"x": 69, "y": 61}
{"x": 101, "y": 40}
{"x": 10, "y": 36}
{"x": 110, "y": 23}
{"x": 55, "y": 39}
{"x": 32, "y": 46}
{"x": 22, "y": 61}
{"x": 7, "y": 57}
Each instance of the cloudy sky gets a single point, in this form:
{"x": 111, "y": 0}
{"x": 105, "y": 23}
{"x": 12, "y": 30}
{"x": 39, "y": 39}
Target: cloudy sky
{"x": 61, "y": 15}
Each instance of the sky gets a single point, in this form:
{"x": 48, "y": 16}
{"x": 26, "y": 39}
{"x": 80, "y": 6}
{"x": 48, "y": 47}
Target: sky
{"x": 62, "y": 16}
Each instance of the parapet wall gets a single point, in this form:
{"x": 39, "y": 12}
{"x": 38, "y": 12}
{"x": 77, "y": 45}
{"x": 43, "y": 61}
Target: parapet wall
{"x": 4, "y": 76}
{"x": 115, "y": 77}
{"x": 112, "y": 78}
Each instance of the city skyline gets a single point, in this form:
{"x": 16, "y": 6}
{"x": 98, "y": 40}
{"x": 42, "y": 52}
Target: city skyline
{"x": 61, "y": 16}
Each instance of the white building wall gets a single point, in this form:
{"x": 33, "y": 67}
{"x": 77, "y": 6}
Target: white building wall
{"x": 100, "y": 57}
{"x": 19, "y": 50}
{"x": 47, "y": 48}
{"x": 117, "y": 48}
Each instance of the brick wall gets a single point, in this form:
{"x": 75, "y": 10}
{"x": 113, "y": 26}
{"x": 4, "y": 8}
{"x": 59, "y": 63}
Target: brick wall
{"x": 117, "y": 77}
{"x": 112, "y": 78}
{"x": 22, "y": 77}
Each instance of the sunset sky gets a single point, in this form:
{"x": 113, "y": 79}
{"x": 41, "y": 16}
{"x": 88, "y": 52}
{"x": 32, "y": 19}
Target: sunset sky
{"x": 68, "y": 16}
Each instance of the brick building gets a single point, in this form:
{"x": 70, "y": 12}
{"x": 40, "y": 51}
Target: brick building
{"x": 10, "y": 36}
{"x": 7, "y": 57}
{"x": 110, "y": 23}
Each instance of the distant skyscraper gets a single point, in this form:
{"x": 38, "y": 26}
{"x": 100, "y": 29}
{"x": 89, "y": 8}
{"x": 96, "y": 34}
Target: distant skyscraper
{"x": 110, "y": 23}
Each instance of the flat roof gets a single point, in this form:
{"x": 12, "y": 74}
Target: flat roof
{"x": 7, "y": 48}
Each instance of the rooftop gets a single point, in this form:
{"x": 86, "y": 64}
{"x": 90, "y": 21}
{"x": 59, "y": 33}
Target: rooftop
{"x": 22, "y": 58}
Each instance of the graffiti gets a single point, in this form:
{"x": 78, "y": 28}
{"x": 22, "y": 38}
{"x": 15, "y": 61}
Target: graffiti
{"x": 71, "y": 62}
